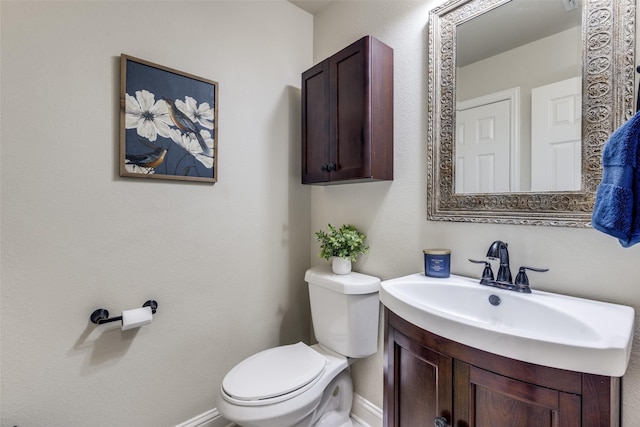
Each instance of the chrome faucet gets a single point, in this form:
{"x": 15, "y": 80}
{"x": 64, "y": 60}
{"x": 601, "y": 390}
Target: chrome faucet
{"x": 498, "y": 250}
{"x": 504, "y": 280}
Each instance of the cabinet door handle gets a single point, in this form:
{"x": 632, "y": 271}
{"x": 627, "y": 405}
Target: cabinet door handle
{"x": 440, "y": 422}
{"x": 328, "y": 168}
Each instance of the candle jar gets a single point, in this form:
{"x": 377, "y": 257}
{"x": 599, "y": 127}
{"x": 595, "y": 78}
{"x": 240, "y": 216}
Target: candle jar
{"x": 437, "y": 263}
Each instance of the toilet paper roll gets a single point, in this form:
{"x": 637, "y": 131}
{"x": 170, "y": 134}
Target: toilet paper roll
{"x": 136, "y": 318}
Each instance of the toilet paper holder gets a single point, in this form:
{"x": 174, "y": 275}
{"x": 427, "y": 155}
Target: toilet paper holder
{"x": 101, "y": 315}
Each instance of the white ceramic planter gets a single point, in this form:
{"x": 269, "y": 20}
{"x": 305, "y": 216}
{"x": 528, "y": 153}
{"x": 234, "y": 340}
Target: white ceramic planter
{"x": 341, "y": 265}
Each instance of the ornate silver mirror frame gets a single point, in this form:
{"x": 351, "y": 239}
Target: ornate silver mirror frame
{"x": 608, "y": 72}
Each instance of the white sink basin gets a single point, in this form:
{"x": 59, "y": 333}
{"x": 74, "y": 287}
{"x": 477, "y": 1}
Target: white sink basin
{"x": 542, "y": 328}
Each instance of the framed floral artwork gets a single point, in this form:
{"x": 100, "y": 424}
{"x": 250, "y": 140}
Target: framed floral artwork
{"x": 168, "y": 123}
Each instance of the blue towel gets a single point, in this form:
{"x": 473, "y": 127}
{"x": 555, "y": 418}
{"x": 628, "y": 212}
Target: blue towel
{"x": 617, "y": 206}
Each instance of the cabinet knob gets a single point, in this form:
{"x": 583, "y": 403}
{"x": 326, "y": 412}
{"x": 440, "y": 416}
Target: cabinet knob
{"x": 440, "y": 422}
{"x": 328, "y": 168}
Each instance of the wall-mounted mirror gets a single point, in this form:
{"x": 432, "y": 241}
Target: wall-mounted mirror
{"x": 522, "y": 96}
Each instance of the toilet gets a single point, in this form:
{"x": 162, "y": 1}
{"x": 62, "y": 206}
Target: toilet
{"x": 300, "y": 385}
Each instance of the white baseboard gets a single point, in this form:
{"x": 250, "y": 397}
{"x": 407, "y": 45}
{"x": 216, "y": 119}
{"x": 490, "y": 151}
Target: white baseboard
{"x": 211, "y": 418}
{"x": 364, "y": 412}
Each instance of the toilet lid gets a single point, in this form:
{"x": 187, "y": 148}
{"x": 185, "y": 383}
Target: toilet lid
{"x": 274, "y": 372}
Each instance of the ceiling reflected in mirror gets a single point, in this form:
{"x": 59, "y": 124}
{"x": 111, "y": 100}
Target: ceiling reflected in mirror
{"x": 511, "y": 25}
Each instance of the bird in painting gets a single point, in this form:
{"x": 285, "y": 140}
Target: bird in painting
{"x": 185, "y": 124}
{"x": 151, "y": 160}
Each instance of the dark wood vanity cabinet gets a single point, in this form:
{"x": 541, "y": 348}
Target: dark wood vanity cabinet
{"x": 347, "y": 115}
{"x": 429, "y": 377}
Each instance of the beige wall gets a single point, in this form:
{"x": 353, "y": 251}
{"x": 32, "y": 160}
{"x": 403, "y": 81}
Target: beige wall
{"x": 582, "y": 262}
{"x": 224, "y": 261}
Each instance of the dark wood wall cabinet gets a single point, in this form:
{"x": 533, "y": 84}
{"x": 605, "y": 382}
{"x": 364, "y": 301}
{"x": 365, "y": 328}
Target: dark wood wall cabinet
{"x": 430, "y": 380}
{"x": 347, "y": 116}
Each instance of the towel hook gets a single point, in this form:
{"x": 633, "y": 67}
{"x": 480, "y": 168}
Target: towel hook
{"x": 638, "y": 99}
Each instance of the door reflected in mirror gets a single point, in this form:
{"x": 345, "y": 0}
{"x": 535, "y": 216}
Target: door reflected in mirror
{"x": 518, "y": 98}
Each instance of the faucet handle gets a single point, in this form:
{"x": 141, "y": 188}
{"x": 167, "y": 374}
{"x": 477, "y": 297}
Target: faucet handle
{"x": 522, "y": 280}
{"x": 487, "y": 273}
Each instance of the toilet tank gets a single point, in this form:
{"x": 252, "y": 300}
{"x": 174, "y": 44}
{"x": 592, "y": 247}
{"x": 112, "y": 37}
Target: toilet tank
{"x": 344, "y": 311}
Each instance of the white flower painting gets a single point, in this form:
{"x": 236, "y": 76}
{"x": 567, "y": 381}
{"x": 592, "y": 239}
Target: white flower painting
{"x": 168, "y": 123}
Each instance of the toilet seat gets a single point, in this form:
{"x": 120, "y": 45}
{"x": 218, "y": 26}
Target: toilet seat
{"x": 273, "y": 375}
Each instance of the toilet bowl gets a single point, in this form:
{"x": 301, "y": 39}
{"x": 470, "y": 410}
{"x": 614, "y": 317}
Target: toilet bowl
{"x": 253, "y": 393}
{"x": 299, "y": 385}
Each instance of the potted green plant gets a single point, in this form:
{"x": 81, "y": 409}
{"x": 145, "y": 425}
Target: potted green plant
{"x": 342, "y": 246}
